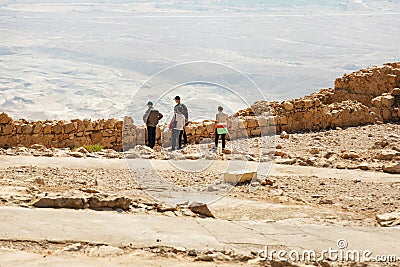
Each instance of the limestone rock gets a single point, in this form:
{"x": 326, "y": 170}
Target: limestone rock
{"x": 26, "y": 129}
{"x": 60, "y": 202}
{"x": 395, "y": 91}
{"x": 4, "y": 118}
{"x": 37, "y": 128}
{"x": 242, "y": 176}
{"x": 350, "y": 155}
{"x": 286, "y": 161}
{"x": 288, "y": 106}
{"x": 38, "y": 147}
{"x": 387, "y": 154}
{"x": 8, "y": 129}
{"x": 392, "y": 168}
{"x": 383, "y": 101}
{"x": 90, "y": 190}
{"x": 284, "y": 135}
{"x": 201, "y": 209}
{"x": 388, "y": 100}
{"x": 364, "y": 166}
{"x": 204, "y": 257}
{"x": 70, "y": 127}
{"x": 76, "y": 154}
{"x": 388, "y": 219}
{"x": 82, "y": 150}
{"x": 166, "y": 208}
{"x": 98, "y": 203}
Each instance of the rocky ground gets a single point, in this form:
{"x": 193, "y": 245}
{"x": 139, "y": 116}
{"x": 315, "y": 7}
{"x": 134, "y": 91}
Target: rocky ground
{"x": 322, "y": 200}
{"x": 355, "y": 200}
{"x": 371, "y": 147}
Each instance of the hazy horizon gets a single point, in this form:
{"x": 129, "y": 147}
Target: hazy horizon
{"x": 61, "y": 60}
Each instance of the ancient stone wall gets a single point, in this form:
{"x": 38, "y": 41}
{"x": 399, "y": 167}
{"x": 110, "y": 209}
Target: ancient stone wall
{"x": 366, "y": 84}
{"x": 60, "y": 133}
{"x": 364, "y": 97}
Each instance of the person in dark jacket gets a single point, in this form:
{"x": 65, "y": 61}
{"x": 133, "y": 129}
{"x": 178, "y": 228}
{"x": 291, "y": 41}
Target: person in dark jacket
{"x": 184, "y": 113}
{"x": 151, "y": 118}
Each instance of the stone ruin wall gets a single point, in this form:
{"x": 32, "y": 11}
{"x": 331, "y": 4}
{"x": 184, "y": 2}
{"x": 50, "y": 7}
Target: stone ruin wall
{"x": 364, "y": 97}
{"x": 59, "y": 133}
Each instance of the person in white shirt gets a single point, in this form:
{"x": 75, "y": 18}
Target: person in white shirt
{"x": 176, "y": 125}
{"x": 185, "y": 113}
{"x": 221, "y": 127}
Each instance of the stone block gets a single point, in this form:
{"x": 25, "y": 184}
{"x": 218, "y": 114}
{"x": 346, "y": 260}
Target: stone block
{"x": 241, "y": 176}
{"x": 26, "y": 129}
{"x": 70, "y": 127}
{"x": 8, "y": 129}
{"x": 288, "y": 106}
{"x": 4, "y": 118}
{"x": 58, "y": 128}
{"x": 37, "y": 128}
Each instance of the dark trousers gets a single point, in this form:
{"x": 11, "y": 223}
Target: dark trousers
{"x": 151, "y": 136}
{"x": 223, "y": 136}
{"x": 183, "y": 133}
{"x": 174, "y": 138}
